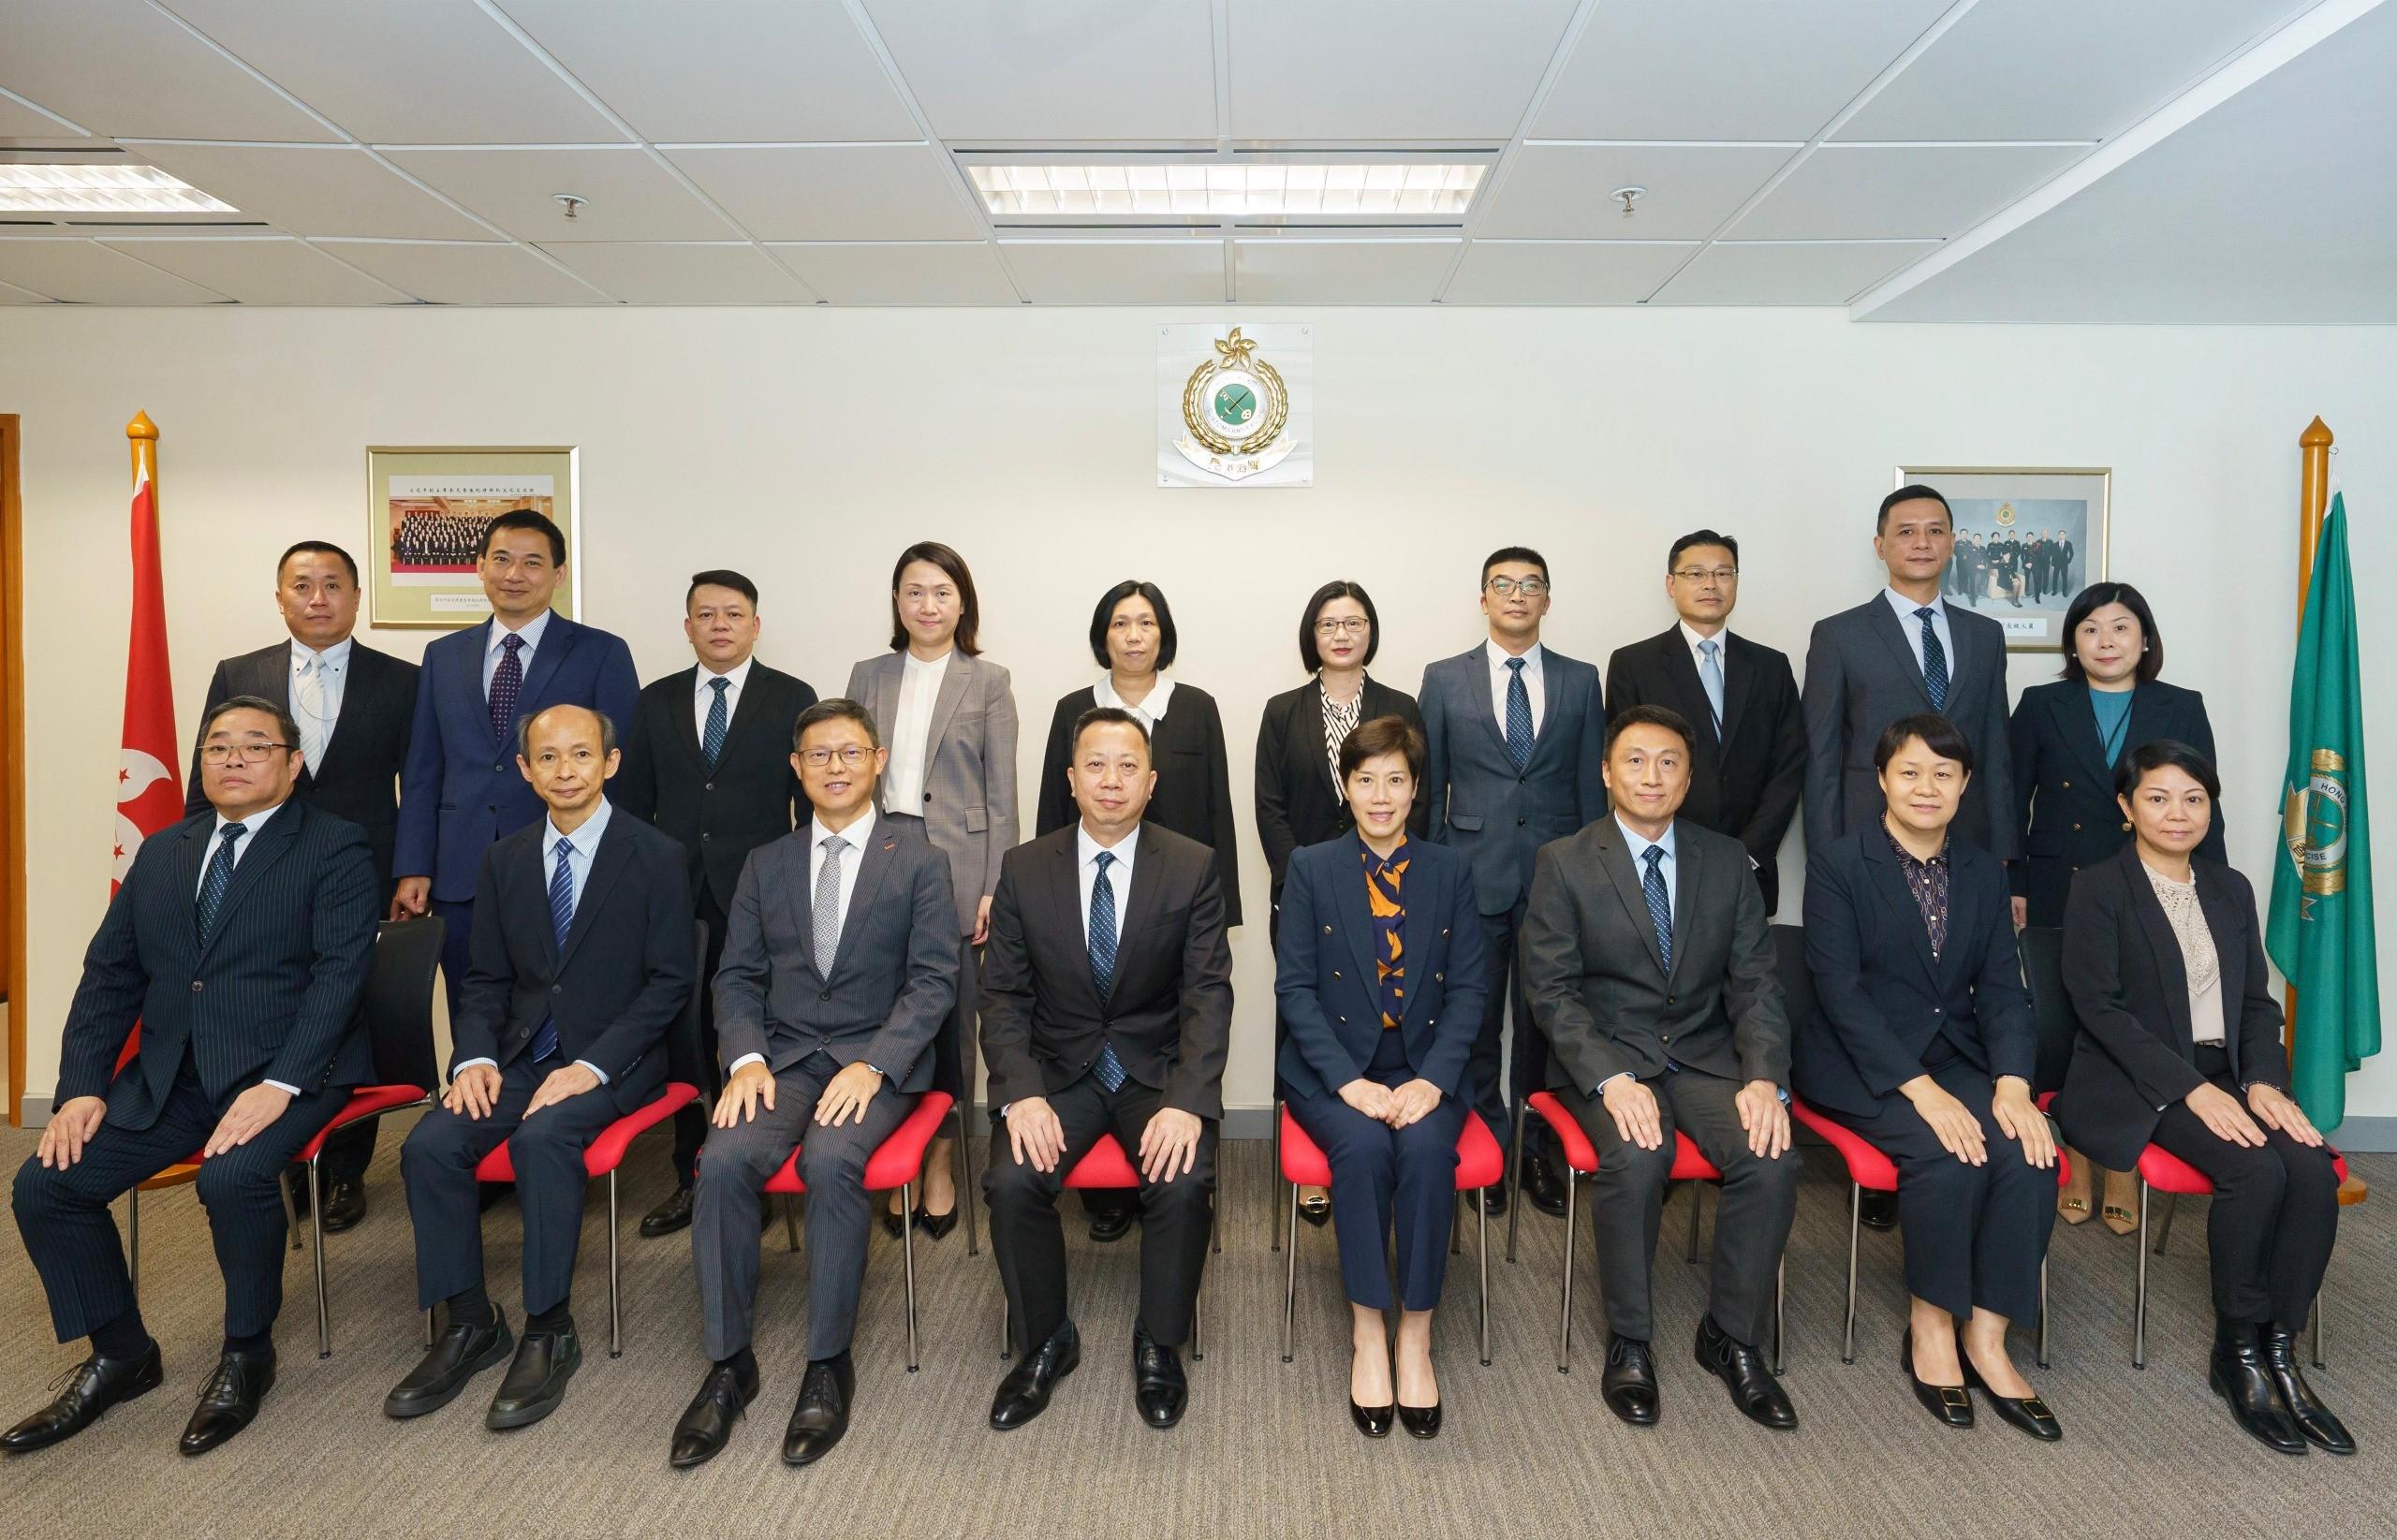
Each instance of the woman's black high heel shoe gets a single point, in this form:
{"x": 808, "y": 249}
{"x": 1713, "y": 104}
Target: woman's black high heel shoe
{"x": 935, "y": 1225}
{"x": 1951, "y": 1405}
{"x": 1372, "y": 1421}
{"x": 1421, "y": 1421}
{"x": 2028, "y": 1413}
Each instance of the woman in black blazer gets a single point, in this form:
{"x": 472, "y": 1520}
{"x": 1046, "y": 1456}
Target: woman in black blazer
{"x": 2180, "y": 1047}
{"x": 1922, "y": 1044}
{"x": 2068, "y": 738}
{"x": 1374, "y": 925}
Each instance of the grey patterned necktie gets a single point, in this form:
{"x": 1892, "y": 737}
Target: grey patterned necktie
{"x": 1660, "y": 904}
{"x": 711, "y": 741}
{"x": 828, "y": 905}
{"x": 1709, "y": 674}
{"x": 1934, "y": 661}
{"x": 1109, "y": 1069}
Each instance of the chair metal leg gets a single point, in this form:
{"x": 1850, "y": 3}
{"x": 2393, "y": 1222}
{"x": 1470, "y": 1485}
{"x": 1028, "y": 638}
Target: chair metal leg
{"x": 316, "y": 1240}
{"x": 1514, "y": 1174}
{"x": 966, "y": 1165}
{"x": 1855, "y": 1230}
{"x": 2138, "y": 1295}
{"x": 615, "y": 1300}
{"x": 133, "y": 1239}
{"x": 790, "y": 1220}
{"x": 1565, "y": 1311}
{"x": 290, "y": 1214}
{"x": 1214, "y": 1225}
{"x": 1273, "y": 1184}
{"x": 907, "y": 1252}
{"x": 1697, "y": 1202}
{"x": 1290, "y": 1276}
{"x": 1779, "y": 1307}
{"x": 1482, "y": 1257}
{"x": 2164, "y": 1231}
{"x": 2319, "y": 1312}
{"x": 428, "y": 1328}
{"x": 2043, "y": 1312}
{"x": 1007, "y": 1323}
{"x": 1199, "y": 1324}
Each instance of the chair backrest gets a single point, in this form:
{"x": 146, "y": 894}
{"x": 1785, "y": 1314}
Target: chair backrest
{"x": 2051, "y": 1017}
{"x": 398, "y": 1004}
{"x": 1797, "y": 981}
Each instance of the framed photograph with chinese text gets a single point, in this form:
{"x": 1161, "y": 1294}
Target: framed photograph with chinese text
{"x": 426, "y": 509}
{"x": 2027, "y": 540}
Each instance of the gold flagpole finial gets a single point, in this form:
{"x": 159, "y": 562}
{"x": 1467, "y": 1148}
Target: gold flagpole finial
{"x": 141, "y": 427}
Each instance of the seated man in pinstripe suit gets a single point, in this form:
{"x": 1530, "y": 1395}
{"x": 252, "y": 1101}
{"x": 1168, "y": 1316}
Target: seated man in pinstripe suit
{"x": 239, "y": 942}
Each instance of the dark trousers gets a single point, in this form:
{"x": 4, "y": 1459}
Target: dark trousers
{"x": 725, "y": 1208}
{"x": 1385, "y": 1178}
{"x": 1628, "y": 1202}
{"x": 1975, "y": 1235}
{"x": 437, "y": 1165}
{"x": 2273, "y": 1220}
{"x": 1030, "y": 1244}
{"x": 691, "y": 1122}
{"x": 71, "y": 1235}
{"x": 1527, "y": 1071}
{"x": 456, "y": 949}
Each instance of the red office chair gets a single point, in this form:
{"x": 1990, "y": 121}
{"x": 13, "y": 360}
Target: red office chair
{"x": 1105, "y": 1166}
{"x": 897, "y": 1161}
{"x": 2161, "y": 1171}
{"x": 1480, "y": 1162}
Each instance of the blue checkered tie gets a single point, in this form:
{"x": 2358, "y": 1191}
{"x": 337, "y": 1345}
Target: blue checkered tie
{"x": 711, "y": 741}
{"x": 1660, "y": 905}
{"x": 220, "y": 877}
{"x": 1519, "y": 716}
{"x": 545, "y": 1037}
{"x": 1934, "y": 661}
{"x": 507, "y": 681}
{"x": 1109, "y": 1069}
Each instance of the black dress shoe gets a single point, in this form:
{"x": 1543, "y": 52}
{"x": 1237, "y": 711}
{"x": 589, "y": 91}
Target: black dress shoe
{"x": 1111, "y": 1223}
{"x": 936, "y": 1227}
{"x": 1316, "y": 1208}
{"x": 460, "y": 1354}
{"x": 822, "y": 1415}
{"x": 228, "y": 1402}
{"x": 1420, "y": 1421}
{"x": 1493, "y": 1199}
{"x": 707, "y": 1423}
{"x": 2028, "y": 1413}
{"x": 1951, "y": 1405}
{"x": 1372, "y": 1421}
{"x": 2318, "y": 1423}
{"x": 1023, "y": 1395}
{"x": 536, "y": 1382}
{"x": 1743, "y": 1371}
{"x": 1880, "y": 1211}
{"x": 672, "y": 1215}
{"x": 1160, "y": 1388}
{"x": 344, "y": 1206}
{"x": 895, "y": 1224}
{"x": 92, "y": 1387}
{"x": 2240, "y": 1377}
{"x": 1542, "y": 1187}
{"x": 1629, "y": 1384}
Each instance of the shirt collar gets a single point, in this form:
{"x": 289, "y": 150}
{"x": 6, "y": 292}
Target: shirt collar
{"x": 531, "y": 631}
{"x": 854, "y": 836}
{"x": 1637, "y": 843}
{"x": 252, "y": 823}
{"x": 738, "y": 676}
{"x": 1721, "y": 639}
{"x": 585, "y": 838}
{"x": 1906, "y": 857}
{"x": 1152, "y": 707}
{"x": 919, "y": 666}
{"x": 335, "y": 657}
{"x": 1373, "y": 862}
{"x": 1087, "y": 849}
{"x": 1498, "y": 656}
{"x": 1906, "y": 607}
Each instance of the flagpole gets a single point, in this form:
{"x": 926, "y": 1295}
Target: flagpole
{"x": 142, "y": 437}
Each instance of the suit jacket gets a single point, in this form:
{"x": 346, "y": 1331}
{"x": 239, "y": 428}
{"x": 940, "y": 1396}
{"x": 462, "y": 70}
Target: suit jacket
{"x": 1881, "y": 998}
{"x": 359, "y": 778}
{"x": 894, "y": 972}
{"x": 2063, "y": 787}
{"x": 272, "y": 994}
{"x": 1298, "y": 802}
{"x": 1194, "y": 792}
{"x": 1597, "y": 981}
{"x": 1479, "y": 803}
{"x": 617, "y": 986}
{"x": 460, "y": 788}
{"x": 1169, "y": 1009}
{"x": 1861, "y": 677}
{"x": 2130, "y": 991}
{"x": 1746, "y": 782}
{"x": 721, "y": 813}
{"x": 969, "y": 807}
{"x": 1326, "y": 975}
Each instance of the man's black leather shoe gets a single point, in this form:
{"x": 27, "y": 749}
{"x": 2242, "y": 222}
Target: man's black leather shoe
{"x": 706, "y": 1424}
{"x": 1493, "y": 1199}
{"x": 2239, "y": 1376}
{"x": 822, "y": 1415}
{"x": 1160, "y": 1388}
{"x": 228, "y": 1402}
{"x": 1880, "y": 1211}
{"x": 536, "y": 1382}
{"x": 1023, "y": 1395}
{"x": 1629, "y": 1384}
{"x": 1111, "y": 1223}
{"x": 457, "y": 1356}
{"x": 1542, "y": 1188}
{"x": 344, "y": 1206}
{"x": 1743, "y": 1371}
{"x": 2318, "y": 1423}
{"x": 672, "y": 1215}
{"x": 92, "y": 1387}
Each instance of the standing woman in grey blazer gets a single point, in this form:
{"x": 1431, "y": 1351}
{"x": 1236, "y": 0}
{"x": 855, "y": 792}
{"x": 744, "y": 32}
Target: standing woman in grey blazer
{"x": 948, "y": 716}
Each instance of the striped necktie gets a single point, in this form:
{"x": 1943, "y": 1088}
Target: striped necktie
{"x": 1660, "y": 904}
{"x": 1109, "y": 1069}
{"x": 545, "y": 1037}
{"x": 1519, "y": 716}
{"x": 711, "y": 741}
{"x": 1934, "y": 661}
{"x": 218, "y": 878}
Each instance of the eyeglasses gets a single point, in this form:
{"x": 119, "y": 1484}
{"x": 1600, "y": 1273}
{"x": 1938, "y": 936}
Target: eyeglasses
{"x": 1353, "y": 625}
{"x": 1506, "y": 588}
{"x": 248, "y": 754}
{"x": 1699, "y": 574}
{"x": 851, "y": 756}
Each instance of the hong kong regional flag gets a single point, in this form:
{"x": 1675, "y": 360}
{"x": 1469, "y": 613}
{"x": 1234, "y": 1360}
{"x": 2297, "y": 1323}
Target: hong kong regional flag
{"x": 149, "y": 786}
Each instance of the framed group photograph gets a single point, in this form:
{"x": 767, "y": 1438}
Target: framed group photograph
{"x": 426, "y": 509}
{"x": 2027, "y": 539}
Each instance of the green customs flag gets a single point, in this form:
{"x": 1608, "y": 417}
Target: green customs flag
{"x": 2320, "y": 936}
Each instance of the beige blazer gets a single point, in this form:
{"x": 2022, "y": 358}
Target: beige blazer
{"x": 969, "y": 809}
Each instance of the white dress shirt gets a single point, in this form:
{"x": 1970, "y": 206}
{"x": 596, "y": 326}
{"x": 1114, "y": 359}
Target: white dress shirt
{"x": 1119, "y": 874}
{"x": 911, "y": 731}
{"x": 703, "y": 695}
{"x": 1912, "y": 624}
{"x": 1721, "y": 640}
{"x": 578, "y": 865}
{"x": 331, "y": 677}
{"x": 1500, "y": 674}
{"x": 855, "y": 837}
{"x": 496, "y": 637}
{"x": 1638, "y": 845}
{"x": 1152, "y": 709}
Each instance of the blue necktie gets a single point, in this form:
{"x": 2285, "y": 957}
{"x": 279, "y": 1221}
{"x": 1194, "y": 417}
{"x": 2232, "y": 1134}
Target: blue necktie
{"x": 1519, "y": 716}
{"x": 1660, "y": 906}
{"x": 1710, "y": 673}
{"x": 219, "y": 877}
{"x": 1109, "y": 1069}
{"x": 1934, "y": 661}
{"x": 507, "y": 681}
{"x": 711, "y": 741}
{"x": 545, "y": 1037}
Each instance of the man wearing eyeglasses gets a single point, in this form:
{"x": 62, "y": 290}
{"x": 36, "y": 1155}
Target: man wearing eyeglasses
{"x": 1517, "y": 758}
{"x": 841, "y": 959}
{"x": 1747, "y": 749}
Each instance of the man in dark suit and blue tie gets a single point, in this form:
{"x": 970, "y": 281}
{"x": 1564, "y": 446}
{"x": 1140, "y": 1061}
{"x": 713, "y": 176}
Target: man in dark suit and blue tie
{"x": 240, "y": 943}
{"x": 1516, "y": 739}
{"x": 459, "y": 790}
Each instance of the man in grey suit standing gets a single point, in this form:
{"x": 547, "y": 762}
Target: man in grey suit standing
{"x": 840, "y": 962}
{"x": 1514, "y": 736}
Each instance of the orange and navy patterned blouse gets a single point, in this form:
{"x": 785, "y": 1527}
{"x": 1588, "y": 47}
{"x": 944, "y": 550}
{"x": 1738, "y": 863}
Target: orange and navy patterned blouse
{"x": 1383, "y": 878}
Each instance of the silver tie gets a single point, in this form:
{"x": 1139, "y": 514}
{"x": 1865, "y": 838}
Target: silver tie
{"x": 828, "y": 905}
{"x": 309, "y": 696}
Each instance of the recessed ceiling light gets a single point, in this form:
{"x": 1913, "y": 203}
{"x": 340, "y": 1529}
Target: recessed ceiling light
{"x": 100, "y": 189}
{"x": 1182, "y": 190}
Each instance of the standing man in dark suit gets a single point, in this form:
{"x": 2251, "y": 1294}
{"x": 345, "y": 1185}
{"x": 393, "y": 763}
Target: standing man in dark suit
{"x": 1107, "y": 1008}
{"x": 839, "y": 967}
{"x": 1515, "y": 734}
{"x": 354, "y": 707}
{"x": 708, "y": 760}
{"x": 457, "y": 790}
{"x": 1747, "y": 764}
{"x": 1651, "y": 967}
{"x": 582, "y": 960}
{"x": 239, "y": 944}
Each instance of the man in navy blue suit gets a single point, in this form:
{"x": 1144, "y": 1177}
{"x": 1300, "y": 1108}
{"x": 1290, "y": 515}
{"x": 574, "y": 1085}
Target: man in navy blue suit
{"x": 459, "y": 789}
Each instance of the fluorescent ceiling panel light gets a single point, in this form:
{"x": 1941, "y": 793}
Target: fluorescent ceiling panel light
{"x": 1238, "y": 190}
{"x": 100, "y": 189}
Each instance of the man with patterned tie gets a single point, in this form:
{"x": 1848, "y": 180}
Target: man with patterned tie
{"x": 708, "y": 760}
{"x": 1107, "y": 1007}
{"x": 582, "y": 962}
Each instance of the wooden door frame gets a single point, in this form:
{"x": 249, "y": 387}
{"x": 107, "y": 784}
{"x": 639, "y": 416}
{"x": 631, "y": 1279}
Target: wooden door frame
{"x": 12, "y": 751}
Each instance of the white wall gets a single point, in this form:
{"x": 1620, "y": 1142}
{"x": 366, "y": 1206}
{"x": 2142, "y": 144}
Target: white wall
{"x": 806, "y": 446}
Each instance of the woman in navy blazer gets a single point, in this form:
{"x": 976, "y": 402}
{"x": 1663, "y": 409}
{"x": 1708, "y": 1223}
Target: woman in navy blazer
{"x": 1380, "y": 981}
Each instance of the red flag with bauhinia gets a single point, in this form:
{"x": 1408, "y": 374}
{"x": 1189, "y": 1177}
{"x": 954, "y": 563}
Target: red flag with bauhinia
{"x": 149, "y": 785}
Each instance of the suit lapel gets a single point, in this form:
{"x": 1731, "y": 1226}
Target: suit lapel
{"x": 1963, "y": 647}
{"x": 251, "y": 868}
{"x": 953, "y": 681}
{"x": 1141, "y": 902}
{"x": 800, "y": 893}
{"x": 1680, "y": 669}
{"x": 1307, "y": 729}
{"x": 686, "y": 725}
{"x": 1355, "y": 905}
{"x": 2162, "y": 941}
{"x": 608, "y": 863}
{"x": 1739, "y": 684}
{"x": 1065, "y": 898}
{"x": 2076, "y": 722}
{"x": 2222, "y": 919}
{"x": 874, "y": 865}
{"x": 1476, "y": 677}
{"x": 1891, "y": 883}
{"x": 2146, "y": 706}
{"x": 1615, "y": 856}
{"x": 557, "y": 640}
{"x": 1686, "y": 859}
{"x": 1885, "y": 625}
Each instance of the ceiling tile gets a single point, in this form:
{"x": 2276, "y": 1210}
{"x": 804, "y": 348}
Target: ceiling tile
{"x": 2072, "y": 70}
{"x": 1563, "y": 272}
{"x": 902, "y": 273}
{"x": 484, "y": 274}
{"x": 1890, "y": 191}
{"x": 836, "y": 192}
{"x": 11, "y": 295}
{"x": 87, "y": 273}
{"x": 1388, "y": 69}
{"x": 1724, "y": 70}
{"x": 21, "y": 119}
{"x": 629, "y": 196}
{"x": 120, "y": 68}
{"x": 311, "y": 190}
{"x": 682, "y": 273}
{"x": 1182, "y": 270}
{"x": 1089, "y": 72}
{"x": 405, "y": 71}
{"x": 1397, "y": 269}
{"x": 778, "y": 71}
{"x": 261, "y": 269}
{"x": 1788, "y": 272}
{"x": 1555, "y": 191}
